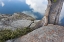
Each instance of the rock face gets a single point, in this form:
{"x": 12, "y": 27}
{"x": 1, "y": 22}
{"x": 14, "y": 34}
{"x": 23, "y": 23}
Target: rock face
{"x": 7, "y": 19}
{"x": 17, "y": 24}
{"x": 21, "y": 23}
{"x": 17, "y": 20}
{"x": 50, "y": 33}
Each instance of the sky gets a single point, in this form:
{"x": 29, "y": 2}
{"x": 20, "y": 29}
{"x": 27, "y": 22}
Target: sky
{"x": 35, "y": 8}
{"x": 36, "y": 5}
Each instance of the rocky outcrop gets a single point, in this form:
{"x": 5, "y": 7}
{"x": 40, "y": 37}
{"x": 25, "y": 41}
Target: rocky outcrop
{"x": 7, "y": 19}
{"x": 21, "y": 23}
{"x": 50, "y": 33}
{"x": 15, "y": 16}
{"x": 17, "y": 20}
{"x": 16, "y": 24}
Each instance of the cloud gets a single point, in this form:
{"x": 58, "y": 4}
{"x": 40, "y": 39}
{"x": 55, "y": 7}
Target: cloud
{"x": 29, "y": 13}
{"x": 37, "y": 5}
{"x": 2, "y": 3}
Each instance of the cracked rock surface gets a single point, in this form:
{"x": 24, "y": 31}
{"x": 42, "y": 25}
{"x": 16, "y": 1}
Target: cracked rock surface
{"x": 50, "y": 33}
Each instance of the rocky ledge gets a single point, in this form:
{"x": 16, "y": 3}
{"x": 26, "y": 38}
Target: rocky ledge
{"x": 17, "y": 20}
{"x": 50, "y": 33}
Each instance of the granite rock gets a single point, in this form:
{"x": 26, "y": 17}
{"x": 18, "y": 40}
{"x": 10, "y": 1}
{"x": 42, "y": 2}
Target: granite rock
{"x": 50, "y": 33}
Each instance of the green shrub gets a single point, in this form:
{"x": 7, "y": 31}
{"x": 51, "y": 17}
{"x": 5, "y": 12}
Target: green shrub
{"x": 9, "y": 34}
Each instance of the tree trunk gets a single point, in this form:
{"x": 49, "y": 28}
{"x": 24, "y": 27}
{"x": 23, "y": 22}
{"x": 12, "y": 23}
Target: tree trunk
{"x": 51, "y": 14}
{"x": 54, "y": 12}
